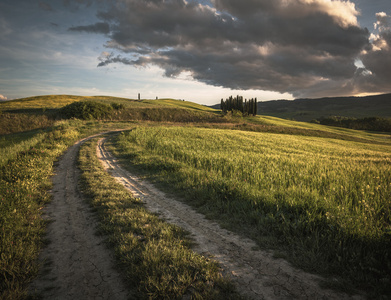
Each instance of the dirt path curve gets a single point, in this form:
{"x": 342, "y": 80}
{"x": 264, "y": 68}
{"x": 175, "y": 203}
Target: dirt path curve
{"x": 76, "y": 263}
{"x": 256, "y": 273}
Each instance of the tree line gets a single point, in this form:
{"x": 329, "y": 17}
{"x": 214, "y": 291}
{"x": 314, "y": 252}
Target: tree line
{"x": 369, "y": 123}
{"x": 246, "y": 107}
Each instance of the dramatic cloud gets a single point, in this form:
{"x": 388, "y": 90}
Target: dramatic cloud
{"x": 303, "y": 47}
{"x": 377, "y": 60}
{"x": 3, "y": 98}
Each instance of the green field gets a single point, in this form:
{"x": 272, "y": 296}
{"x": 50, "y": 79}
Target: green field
{"x": 318, "y": 196}
{"x": 324, "y": 203}
{"x": 58, "y": 101}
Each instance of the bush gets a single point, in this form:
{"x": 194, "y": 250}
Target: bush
{"x": 86, "y": 110}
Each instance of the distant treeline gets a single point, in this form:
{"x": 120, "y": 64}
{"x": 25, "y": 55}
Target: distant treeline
{"x": 369, "y": 123}
{"x": 247, "y": 107}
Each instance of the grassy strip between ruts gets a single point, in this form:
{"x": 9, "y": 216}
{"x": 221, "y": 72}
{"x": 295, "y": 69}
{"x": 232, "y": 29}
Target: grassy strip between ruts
{"x": 155, "y": 256}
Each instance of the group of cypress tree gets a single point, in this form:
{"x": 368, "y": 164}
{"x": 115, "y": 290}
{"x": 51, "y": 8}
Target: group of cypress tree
{"x": 246, "y": 107}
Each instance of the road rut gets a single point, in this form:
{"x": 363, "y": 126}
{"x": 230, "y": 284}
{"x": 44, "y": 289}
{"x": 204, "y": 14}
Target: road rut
{"x": 256, "y": 273}
{"x": 76, "y": 263}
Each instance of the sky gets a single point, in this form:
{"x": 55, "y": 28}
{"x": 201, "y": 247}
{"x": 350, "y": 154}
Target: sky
{"x": 196, "y": 50}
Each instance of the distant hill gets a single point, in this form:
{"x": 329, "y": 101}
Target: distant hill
{"x": 309, "y": 109}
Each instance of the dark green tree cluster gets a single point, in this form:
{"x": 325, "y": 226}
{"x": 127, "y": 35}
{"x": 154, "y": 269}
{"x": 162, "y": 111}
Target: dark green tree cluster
{"x": 368, "y": 123}
{"x": 246, "y": 107}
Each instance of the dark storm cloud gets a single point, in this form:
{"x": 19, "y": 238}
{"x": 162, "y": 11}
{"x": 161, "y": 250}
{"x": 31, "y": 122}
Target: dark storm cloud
{"x": 109, "y": 58}
{"x": 100, "y": 27}
{"x": 286, "y": 46}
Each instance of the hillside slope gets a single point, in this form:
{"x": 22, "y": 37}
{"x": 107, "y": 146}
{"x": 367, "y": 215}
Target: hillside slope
{"x": 309, "y": 109}
{"x": 42, "y": 111}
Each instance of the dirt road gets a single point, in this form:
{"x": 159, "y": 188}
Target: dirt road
{"x": 77, "y": 264}
{"x": 256, "y": 273}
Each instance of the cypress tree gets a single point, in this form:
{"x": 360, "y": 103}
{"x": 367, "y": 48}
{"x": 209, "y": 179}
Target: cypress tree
{"x": 255, "y": 107}
{"x": 247, "y": 107}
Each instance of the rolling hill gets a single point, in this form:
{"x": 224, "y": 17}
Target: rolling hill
{"x": 317, "y": 195}
{"x": 310, "y": 109}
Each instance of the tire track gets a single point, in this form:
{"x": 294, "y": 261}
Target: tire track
{"x": 256, "y": 273}
{"x": 76, "y": 262}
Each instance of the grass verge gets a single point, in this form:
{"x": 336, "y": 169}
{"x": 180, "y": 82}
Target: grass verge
{"x": 24, "y": 184}
{"x": 18, "y": 122}
{"x": 154, "y": 255}
{"x": 13, "y": 144}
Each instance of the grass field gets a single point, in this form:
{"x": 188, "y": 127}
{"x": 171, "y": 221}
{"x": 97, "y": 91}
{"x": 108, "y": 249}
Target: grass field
{"x": 11, "y": 145}
{"x": 323, "y": 203}
{"x": 58, "y": 101}
{"x": 319, "y": 196}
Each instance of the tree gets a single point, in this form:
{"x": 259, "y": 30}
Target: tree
{"x": 245, "y": 107}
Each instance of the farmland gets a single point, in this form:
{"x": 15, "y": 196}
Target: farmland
{"x": 317, "y": 196}
{"x": 324, "y": 203}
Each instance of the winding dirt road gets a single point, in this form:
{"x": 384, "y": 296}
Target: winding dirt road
{"x": 77, "y": 264}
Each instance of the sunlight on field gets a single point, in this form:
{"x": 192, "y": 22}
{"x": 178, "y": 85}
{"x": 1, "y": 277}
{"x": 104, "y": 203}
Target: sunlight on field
{"x": 329, "y": 198}
{"x": 58, "y": 101}
{"x": 319, "y": 195}
{"x": 180, "y": 103}
{"x": 268, "y": 120}
{"x": 16, "y": 143}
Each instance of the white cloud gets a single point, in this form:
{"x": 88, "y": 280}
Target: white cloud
{"x": 343, "y": 12}
{"x": 3, "y": 98}
{"x": 377, "y": 59}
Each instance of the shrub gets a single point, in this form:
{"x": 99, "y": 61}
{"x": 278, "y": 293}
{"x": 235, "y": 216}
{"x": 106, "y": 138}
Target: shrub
{"x": 86, "y": 110}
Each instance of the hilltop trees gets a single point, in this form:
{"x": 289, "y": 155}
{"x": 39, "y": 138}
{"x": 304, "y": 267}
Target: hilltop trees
{"x": 246, "y": 107}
